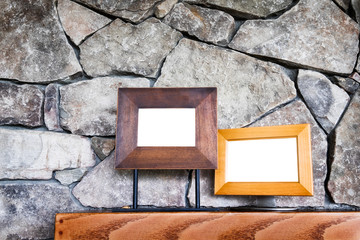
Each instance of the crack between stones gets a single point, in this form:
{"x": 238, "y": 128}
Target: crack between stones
{"x": 271, "y": 111}
{"x": 161, "y": 65}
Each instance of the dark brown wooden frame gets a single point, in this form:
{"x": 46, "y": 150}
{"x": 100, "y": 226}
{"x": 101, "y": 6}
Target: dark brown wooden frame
{"x": 202, "y": 156}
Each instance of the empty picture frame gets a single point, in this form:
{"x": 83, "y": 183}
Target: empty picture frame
{"x": 166, "y": 128}
{"x": 273, "y": 160}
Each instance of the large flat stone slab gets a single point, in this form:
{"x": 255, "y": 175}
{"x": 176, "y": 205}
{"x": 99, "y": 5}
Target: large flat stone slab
{"x": 297, "y": 113}
{"x": 246, "y": 8}
{"x": 78, "y": 21}
{"x": 107, "y": 187}
{"x": 206, "y": 24}
{"x": 21, "y": 104}
{"x": 33, "y": 45}
{"x": 344, "y": 183}
{"x": 125, "y": 48}
{"x": 326, "y": 100}
{"x": 247, "y": 87}
{"x": 316, "y": 35}
{"x": 132, "y": 10}
{"x": 27, "y": 210}
{"x": 29, "y": 154}
{"x": 89, "y": 107}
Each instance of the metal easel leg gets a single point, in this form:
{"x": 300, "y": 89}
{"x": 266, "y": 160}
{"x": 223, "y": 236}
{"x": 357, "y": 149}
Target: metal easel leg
{"x": 197, "y": 187}
{"x": 135, "y": 189}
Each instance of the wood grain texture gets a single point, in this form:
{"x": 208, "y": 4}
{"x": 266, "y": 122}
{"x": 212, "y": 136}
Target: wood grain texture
{"x": 304, "y": 186}
{"x": 202, "y": 156}
{"x": 208, "y": 225}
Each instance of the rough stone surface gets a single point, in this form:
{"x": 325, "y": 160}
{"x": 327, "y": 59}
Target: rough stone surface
{"x": 123, "y": 47}
{"x": 162, "y": 188}
{"x": 107, "y": 187}
{"x": 356, "y": 6}
{"x": 27, "y": 211}
{"x": 344, "y": 183}
{"x": 247, "y": 88}
{"x": 317, "y": 35}
{"x": 67, "y": 177}
{"x": 102, "y": 146}
{"x": 21, "y": 105}
{"x": 33, "y": 45}
{"x": 206, "y": 24}
{"x": 164, "y": 8}
{"x": 297, "y": 113}
{"x": 78, "y": 21}
{"x": 89, "y": 107}
{"x": 133, "y": 10}
{"x": 207, "y": 197}
{"x": 348, "y": 84}
{"x": 29, "y": 154}
{"x": 246, "y": 8}
{"x": 343, "y": 3}
{"x": 325, "y": 100}
{"x": 51, "y": 107}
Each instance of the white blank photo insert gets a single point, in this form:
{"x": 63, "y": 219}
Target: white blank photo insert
{"x": 166, "y": 127}
{"x": 262, "y": 160}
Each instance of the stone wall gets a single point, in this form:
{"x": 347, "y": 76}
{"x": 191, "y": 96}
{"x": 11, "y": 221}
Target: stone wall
{"x": 61, "y": 62}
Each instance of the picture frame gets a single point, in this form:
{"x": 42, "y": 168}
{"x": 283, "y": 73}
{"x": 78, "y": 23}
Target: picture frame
{"x": 203, "y": 155}
{"x": 302, "y": 186}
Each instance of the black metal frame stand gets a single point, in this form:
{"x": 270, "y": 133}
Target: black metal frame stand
{"x": 197, "y": 191}
{"x": 197, "y": 202}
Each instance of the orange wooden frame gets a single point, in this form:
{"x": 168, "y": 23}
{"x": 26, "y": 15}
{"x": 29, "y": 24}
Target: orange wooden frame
{"x": 304, "y": 187}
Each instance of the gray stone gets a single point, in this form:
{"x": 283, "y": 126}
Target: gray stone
{"x": 162, "y": 188}
{"x": 27, "y": 211}
{"x": 102, "y": 146}
{"x": 21, "y": 104}
{"x": 29, "y": 154}
{"x": 344, "y": 183}
{"x": 207, "y": 197}
{"x": 356, "y": 6}
{"x": 89, "y": 107}
{"x": 247, "y": 87}
{"x": 164, "y": 8}
{"x": 246, "y": 8}
{"x": 297, "y": 113}
{"x": 355, "y": 76}
{"x": 78, "y": 21}
{"x": 316, "y": 35}
{"x": 33, "y": 45}
{"x": 348, "y": 84}
{"x": 133, "y": 10}
{"x": 122, "y": 47}
{"x": 325, "y": 100}
{"x": 51, "y": 107}
{"x": 67, "y": 177}
{"x": 105, "y": 186}
{"x": 206, "y": 24}
{"x": 343, "y": 3}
